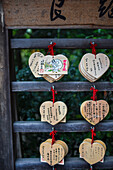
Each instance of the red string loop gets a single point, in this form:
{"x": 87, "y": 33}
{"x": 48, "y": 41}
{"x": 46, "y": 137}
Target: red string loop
{"x": 53, "y": 133}
{"x": 50, "y": 48}
{"x": 94, "y": 97}
{"x": 93, "y": 48}
{"x": 53, "y": 94}
{"x": 92, "y": 134}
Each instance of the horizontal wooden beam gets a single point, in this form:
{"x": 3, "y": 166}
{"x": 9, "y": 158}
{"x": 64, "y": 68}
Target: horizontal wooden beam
{"x": 70, "y": 163}
{"x": 70, "y": 126}
{"x": 33, "y": 86}
{"x": 61, "y": 43}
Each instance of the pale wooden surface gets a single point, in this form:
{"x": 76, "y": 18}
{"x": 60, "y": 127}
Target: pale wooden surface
{"x": 52, "y": 154}
{"x": 93, "y": 67}
{"x": 53, "y": 114}
{"x": 79, "y": 14}
{"x": 92, "y": 153}
{"x": 94, "y": 111}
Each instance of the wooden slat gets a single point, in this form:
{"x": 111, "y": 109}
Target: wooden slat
{"x": 70, "y": 163}
{"x": 33, "y": 86}
{"x": 81, "y": 14}
{"x": 61, "y": 43}
{"x": 70, "y": 126}
{"x": 6, "y": 139}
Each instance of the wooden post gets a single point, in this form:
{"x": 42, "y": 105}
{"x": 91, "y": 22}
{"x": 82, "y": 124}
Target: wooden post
{"x": 6, "y": 139}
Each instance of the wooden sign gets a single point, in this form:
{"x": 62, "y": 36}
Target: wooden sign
{"x": 53, "y": 154}
{"x": 94, "y": 111}
{"x": 53, "y": 65}
{"x": 53, "y": 114}
{"x": 54, "y": 13}
{"x": 92, "y": 153}
{"x": 93, "y": 67}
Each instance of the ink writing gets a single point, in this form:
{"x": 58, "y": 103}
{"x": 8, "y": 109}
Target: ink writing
{"x": 56, "y": 11}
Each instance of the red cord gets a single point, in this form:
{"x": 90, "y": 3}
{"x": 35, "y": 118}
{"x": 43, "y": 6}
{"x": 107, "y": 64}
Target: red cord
{"x": 50, "y": 48}
{"x": 93, "y": 48}
{"x": 92, "y": 134}
{"x": 94, "y": 97}
{"x": 53, "y": 94}
{"x": 53, "y": 133}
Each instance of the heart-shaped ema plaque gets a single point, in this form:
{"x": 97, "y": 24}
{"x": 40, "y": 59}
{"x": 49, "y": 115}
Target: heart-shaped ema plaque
{"x": 92, "y": 153}
{"x": 53, "y": 114}
{"x": 94, "y": 111}
{"x": 93, "y": 67}
{"x": 52, "y": 154}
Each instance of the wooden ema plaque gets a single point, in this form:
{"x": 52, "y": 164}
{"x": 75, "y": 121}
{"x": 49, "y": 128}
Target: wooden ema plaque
{"x": 94, "y": 111}
{"x": 53, "y": 154}
{"x": 92, "y": 153}
{"x": 54, "y": 67}
{"x": 93, "y": 67}
{"x": 53, "y": 114}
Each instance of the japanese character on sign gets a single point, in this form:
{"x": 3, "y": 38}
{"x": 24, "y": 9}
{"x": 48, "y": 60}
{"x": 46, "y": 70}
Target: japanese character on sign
{"x": 103, "y": 9}
{"x": 56, "y": 13}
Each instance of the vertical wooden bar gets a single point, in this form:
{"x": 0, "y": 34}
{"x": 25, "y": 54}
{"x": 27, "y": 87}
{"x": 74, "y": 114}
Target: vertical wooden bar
{"x": 6, "y": 138}
{"x": 17, "y": 136}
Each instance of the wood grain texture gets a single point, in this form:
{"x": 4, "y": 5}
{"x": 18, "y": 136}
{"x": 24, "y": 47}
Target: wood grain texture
{"x": 70, "y": 163}
{"x": 73, "y": 86}
{"x": 78, "y": 14}
{"x": 62, "y": 43}
{"x": 6, "y": 140}
{"x": 70, "y": 126}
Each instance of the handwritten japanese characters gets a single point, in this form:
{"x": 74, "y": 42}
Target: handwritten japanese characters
{"x": 94, "y": 111}
{"x": 53, "y": 114}
{"x": 34, "y": 63}
{"x": 106, "y": 6}
{"x": 53, "y": 154}
{"x": 92, "y": 153}
{"x": 51, "y": 68}
{"x": 93, "y": 67}
{"x": 56, "y": 12}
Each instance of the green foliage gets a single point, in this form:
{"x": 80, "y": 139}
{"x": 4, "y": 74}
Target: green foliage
{"x": 28, "y": 103}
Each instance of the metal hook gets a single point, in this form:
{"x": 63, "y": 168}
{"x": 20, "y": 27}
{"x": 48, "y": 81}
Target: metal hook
{"x": 53, "y": 128}
{"x": 93, "y": 86}
{"x": 51, "y": 42}
{"x": 91, "y": 167}
{"x": 92, "y": 127}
